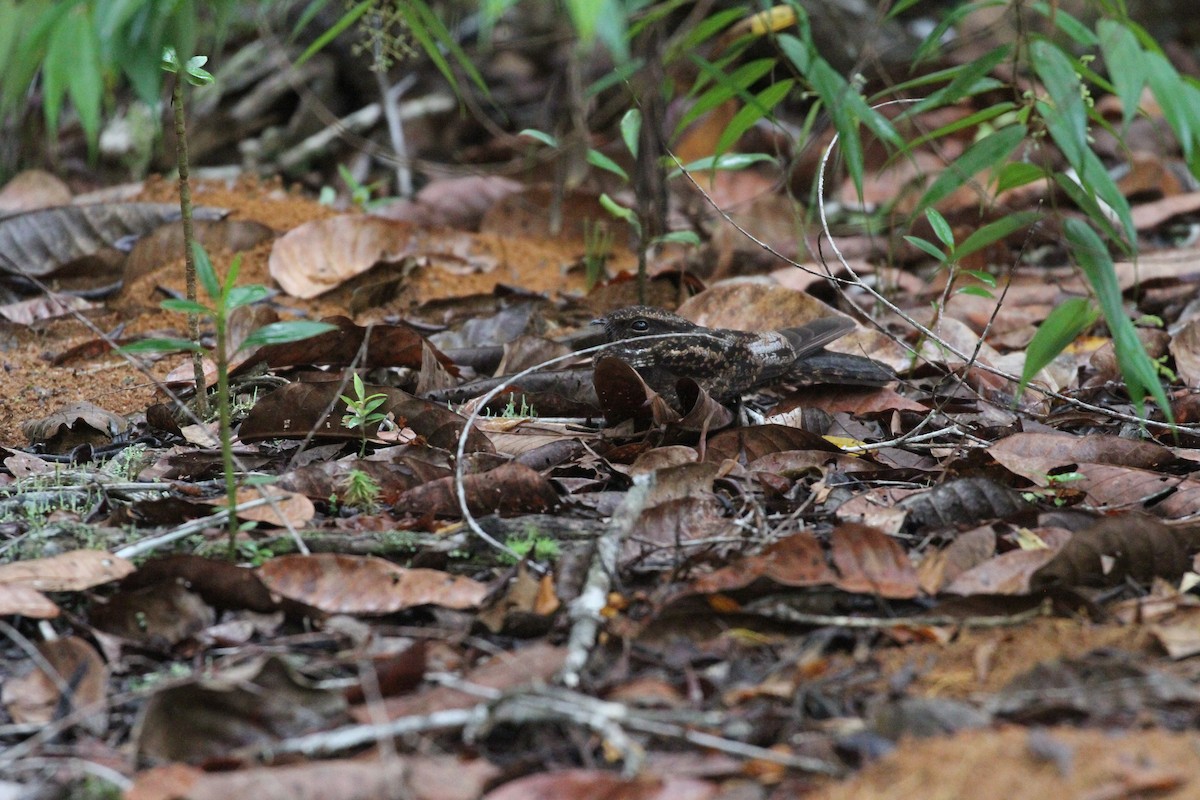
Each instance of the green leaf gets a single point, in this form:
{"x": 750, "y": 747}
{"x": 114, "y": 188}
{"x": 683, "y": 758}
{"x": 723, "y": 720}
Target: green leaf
{"x": 620, "y": 212}
{"x": 678, "y": 237}
{"x": 1067, "y": 23}
{"x": 165, "y": 345}
{"x": 285, "y": 332}
{"x": 185, "y": 306}
{"x": 746, "y": 117}
{"x": 631, "y": 129}
{"x": 1066, "y": 118}
{"x": 1017, "y": 173}
{"x": 941, "y": 228}
{"x": 728, "y": 85}
{"x": 1061, "y": 327}
{"x": 994, "y": 232}
{"x": 965, "y": 123}
{"x": 231, "y": 276}
{"x": 598, "y": 159}
{"x": 246, "y": 295}
{"x": 1087, "y": 201}
{"x": 725, "y": 161}
{"x": 1137, "y": 368}
{"x": 1171, "y": 93}
{"x": 85, "y": 85}
{"x": 33, "y": 25}
{"x": 205, "y": 274}
{"x": 1065, "y": 115}
{"x": 986, "y": 278}
{"x": 344, "y": 22}
{"x": 540, "y": 136}
{"x": 1123, "y": 59}
{"x": 433, "y": 36}
{"x": 927, "y": 247}
{"x": 704, "y": 30}
{"x": 977, "y": 291}
{"x": 964, "y": 83}
{"x": 987, "y": 153}
{"x": 602, "y": 19}
{"x": 195, "y": 75}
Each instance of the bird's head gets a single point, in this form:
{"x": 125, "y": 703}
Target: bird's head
{"x": 634, "y": 321}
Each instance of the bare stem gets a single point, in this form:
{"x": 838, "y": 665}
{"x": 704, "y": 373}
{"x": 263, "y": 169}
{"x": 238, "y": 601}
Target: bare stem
{"x": 189, "y": 262}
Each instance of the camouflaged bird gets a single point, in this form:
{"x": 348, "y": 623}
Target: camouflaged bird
{"x": 725, "y": 363}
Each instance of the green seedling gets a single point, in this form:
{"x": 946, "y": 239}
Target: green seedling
{"x": 362, "y": 491}
{"x": 362, "y": 411}
{"x": 225, "y": 297}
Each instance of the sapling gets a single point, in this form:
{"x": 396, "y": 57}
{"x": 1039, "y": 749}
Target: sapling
{"x": 226, "y": 296}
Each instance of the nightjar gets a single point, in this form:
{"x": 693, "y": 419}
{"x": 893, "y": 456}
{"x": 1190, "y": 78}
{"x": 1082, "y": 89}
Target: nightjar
{"x": 725, "y": 363}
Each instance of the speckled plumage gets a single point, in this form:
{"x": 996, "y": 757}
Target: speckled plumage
{"x": 725, "y": 363}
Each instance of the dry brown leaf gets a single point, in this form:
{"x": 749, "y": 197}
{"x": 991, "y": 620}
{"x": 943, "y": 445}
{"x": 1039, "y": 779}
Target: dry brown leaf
{"x": 317, "y": 256}
{"x": 871, "y": 562}
{"x": 69, "y": 572}
{"x": 338, "y": 584}
{"x": 32, "y": 189}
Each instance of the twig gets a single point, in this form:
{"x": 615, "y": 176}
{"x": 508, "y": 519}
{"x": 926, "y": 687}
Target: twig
{"x": 194, "y": 526}
{"x": 787, "y": 614}
{"x": 541, "y": 705}
{"x": 585, "y": 609}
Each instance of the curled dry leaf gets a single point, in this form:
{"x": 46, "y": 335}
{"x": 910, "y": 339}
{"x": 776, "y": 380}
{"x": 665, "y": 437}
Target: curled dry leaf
{"x": 1185, "y": 349}
{"x": 79, "y": 423}
{"x": 40, "y": 309}
{"x": 453, "y": 202}
{"x": 507, "y": 490}
{"x": 1125, "y": 547}
{"x": 962, "y": 503}
{"x": 752, "y": 306}
{"x": 595, "y": 784}
{"x": 337, "y": 584}
{"x": 321, "y": 255}
{"x": 164, "y": 245}
{"x": 25, "y": 601}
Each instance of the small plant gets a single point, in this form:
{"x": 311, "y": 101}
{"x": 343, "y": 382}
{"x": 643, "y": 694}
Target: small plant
{"x": 226, "y": 296}
{"x": 362, "y": 411}
{"x": 511, "y": 411}
{"x": 362, "y": 491}
{"x": 254, "y": 553}
{"x": 597, "y": 250}
{"x": 1057, "y": 486}
{"x": 631, "y": 125}
{"x": 533, "y": 544}
{"x": 360, "y": 194}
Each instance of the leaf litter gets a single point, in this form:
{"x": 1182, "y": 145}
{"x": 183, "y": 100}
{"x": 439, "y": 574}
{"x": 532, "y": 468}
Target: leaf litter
{"x": 919, "y": 581}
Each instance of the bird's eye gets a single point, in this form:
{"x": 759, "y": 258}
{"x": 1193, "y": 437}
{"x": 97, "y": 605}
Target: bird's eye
{"x": 639, "y": 325}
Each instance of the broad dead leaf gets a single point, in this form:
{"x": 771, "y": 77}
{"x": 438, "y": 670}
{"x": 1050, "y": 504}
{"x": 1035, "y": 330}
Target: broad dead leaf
{"x": 338, "y": 584}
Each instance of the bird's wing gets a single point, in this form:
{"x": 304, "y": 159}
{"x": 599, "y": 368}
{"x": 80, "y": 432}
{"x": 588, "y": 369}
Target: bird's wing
{"x": 812, "y": 336}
